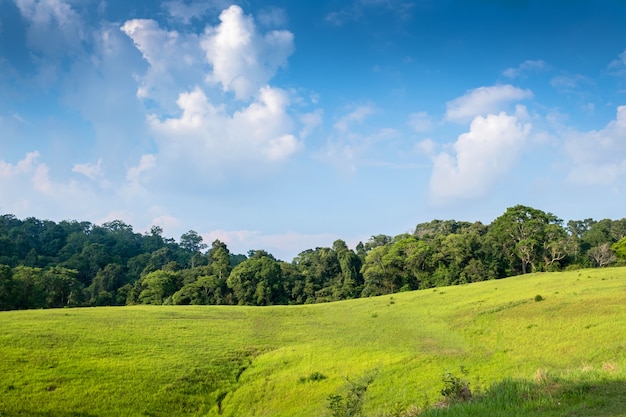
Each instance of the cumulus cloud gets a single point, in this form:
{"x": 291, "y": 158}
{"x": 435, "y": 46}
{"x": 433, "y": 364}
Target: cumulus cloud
{"x": 175, "y": 60}
{"x": 598, "y": 157}
{"x": 481, "y": 156}
{"x": 525, "y": 68}
{"x": 242, "y": 59}
{"x": 210, "y": 140}
{"x": 199, "y": 131}
{"x": 483, "y": 100}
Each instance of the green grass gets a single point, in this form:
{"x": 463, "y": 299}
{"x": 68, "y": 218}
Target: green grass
{"x": 268, "y": 361}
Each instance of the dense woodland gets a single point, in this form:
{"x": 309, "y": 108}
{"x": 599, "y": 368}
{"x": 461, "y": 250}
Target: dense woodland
{"x": 44, "y": 264}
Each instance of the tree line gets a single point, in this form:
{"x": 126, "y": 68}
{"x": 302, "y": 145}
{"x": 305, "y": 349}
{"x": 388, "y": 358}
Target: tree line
{"x": 44, "y": 264}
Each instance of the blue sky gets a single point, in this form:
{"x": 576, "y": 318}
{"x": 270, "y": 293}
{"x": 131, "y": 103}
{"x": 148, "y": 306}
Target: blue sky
{"x": 286, "y": 125}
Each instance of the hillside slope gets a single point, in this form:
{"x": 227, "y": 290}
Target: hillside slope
{"x": 287, "y": 360}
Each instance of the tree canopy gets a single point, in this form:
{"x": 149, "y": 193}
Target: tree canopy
{"x": 44, "y": 264}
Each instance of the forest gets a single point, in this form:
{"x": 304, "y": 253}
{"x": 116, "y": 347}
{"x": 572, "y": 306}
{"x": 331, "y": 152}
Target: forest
{"x": 44, "y": 264}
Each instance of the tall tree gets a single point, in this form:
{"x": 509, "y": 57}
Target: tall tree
{"x": 521, "y": 234}
{"x": 191, "y": 242}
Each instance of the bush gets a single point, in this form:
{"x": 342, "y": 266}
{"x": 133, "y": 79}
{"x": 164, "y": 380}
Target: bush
{"x": 456, "y": 389}
{"x": 350, "y": 404}
{"x": 539, "y": 298}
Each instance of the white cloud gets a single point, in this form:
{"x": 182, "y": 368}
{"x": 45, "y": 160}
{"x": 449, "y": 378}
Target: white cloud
{"x": 420, "y": 121}
{"x": 146, "y": 163}
{"x": 175, "y": 60}
{"x": 54, "y": 28}
{"x": 598, "y": 157}
{"x": 242, "y": 59}
{"x": 482, "y": 156}
{"x": 310, "y": 121}
{"x": 199, "y": 132}
{"x": 568, "y": 83}
{"x": 482, "y": 101}
{"x": 358, "y": 115}
{"x": 618, "y": 65}
{"x": 28, "y": 189}
{"x": 212, "y": 142}
{"x": 91, "y": 171}
{"x": 426, "y": 147}
{"x": 525, "y": 67}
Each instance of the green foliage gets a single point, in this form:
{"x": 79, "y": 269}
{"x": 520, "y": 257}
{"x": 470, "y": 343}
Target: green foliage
{"x": 620, "y": 248}
{"x": 350, "y": 404}
{"x": 538, "y": 298}
{"x": 456, "y": 388}
{"x": 111, "y": 261}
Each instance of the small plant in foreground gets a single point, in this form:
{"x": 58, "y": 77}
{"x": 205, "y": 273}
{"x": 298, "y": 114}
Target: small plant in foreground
{"x": 538, "y": 298}
{"x": 350, "y": 405}
{"x": 456, "y": 389}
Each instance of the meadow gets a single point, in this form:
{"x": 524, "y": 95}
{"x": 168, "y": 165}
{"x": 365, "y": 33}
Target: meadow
{"x": 549, "y": 344}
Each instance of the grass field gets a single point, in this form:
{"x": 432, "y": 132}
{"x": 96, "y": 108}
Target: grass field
{"x": 562, "y": 355}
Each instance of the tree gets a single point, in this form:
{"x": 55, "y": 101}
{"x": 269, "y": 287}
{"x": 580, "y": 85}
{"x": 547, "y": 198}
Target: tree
{"x": 191, "y": 242}
{"x": 602, "y": 255}
{"x": 521, "y": 234}
{"x": 557, "y": 245}
{"x": 157, "y": 286}
{"x": 219, "y": 259}
{"x": 103, "y": 288}
{"x": 6, "y": 288}
{"x": 620, "y": 248}
{"x": 258, "y": 281}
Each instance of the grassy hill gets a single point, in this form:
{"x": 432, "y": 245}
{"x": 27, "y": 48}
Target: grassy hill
{"x": 287, "y": 360}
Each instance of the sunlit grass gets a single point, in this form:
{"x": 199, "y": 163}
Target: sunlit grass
{"x": 238, "y": 361}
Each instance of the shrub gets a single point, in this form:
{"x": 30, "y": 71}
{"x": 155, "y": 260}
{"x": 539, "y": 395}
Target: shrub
{"x": 350, "y": 404}
{"x": 456, "y": 389}
{"x": 539, "y": 298}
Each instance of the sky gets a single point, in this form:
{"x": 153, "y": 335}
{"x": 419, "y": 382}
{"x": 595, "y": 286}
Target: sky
{"x": 284, "y": 125}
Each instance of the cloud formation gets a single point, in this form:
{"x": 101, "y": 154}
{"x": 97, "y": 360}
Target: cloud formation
{"x": 242, "y": 59}
{"x": 54, "y": 28}
{"x": 598, "y": 157}
{"x": 212, "y": 142}
{"x": 483, "y": 101}
{"x": 525, "y": 67}
{"x": 209, "y": 134}
{"x": 481, "y": 157}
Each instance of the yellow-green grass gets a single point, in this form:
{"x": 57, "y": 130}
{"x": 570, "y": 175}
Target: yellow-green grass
{"x": 256, "y": 361}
